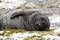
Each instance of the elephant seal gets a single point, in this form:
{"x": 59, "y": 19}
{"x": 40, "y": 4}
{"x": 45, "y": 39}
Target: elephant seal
{"x": 33, "y": 20}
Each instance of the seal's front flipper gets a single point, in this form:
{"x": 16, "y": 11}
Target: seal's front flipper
{"x": 17, "y": 14}
{"x": 23, "y": 13}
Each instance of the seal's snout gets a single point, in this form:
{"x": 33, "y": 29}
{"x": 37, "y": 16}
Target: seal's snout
{"x": 38, "y": 24}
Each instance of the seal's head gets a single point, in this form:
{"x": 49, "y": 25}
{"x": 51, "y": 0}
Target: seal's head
{"x": 41, "y": 22}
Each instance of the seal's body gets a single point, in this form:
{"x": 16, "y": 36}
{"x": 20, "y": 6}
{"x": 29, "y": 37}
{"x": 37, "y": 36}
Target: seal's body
{"x": 27, "y": 20}
{"x": 33, "y": 20}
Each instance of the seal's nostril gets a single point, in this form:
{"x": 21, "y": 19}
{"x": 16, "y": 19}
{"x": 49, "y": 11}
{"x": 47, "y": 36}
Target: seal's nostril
{"x": 37, "y": 24}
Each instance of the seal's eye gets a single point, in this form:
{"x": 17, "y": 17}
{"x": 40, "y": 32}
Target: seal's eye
{"x": 38, "y": 19}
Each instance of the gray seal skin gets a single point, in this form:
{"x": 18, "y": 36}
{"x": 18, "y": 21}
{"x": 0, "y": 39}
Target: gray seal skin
{"x": 27, "y": 20}
{"x": 33, "y": 20}
{"x": 7, "y": 23}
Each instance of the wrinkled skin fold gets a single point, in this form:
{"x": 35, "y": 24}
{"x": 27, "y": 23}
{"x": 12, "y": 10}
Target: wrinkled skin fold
{"x": 27, "y": 20}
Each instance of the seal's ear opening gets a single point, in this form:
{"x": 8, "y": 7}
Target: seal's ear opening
{"x": 17, "y": 14}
